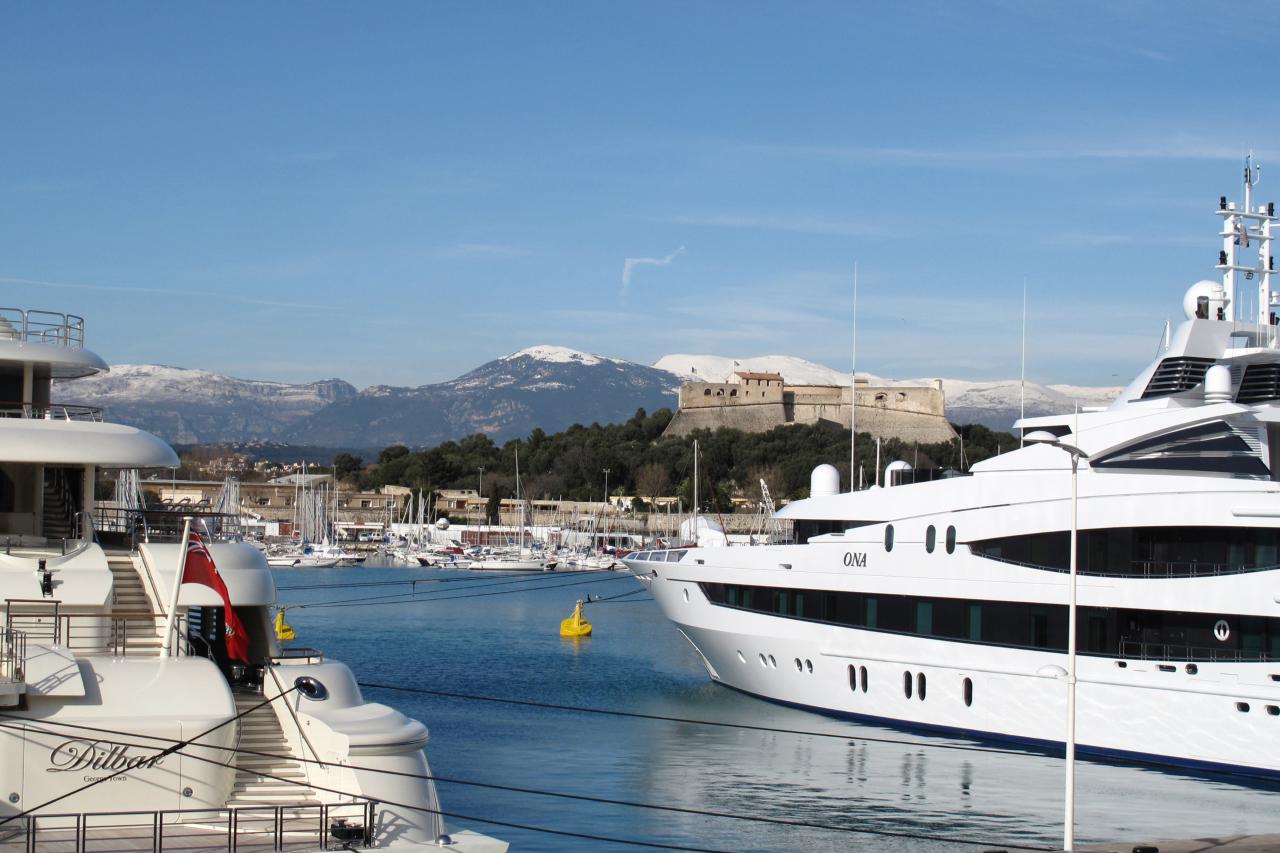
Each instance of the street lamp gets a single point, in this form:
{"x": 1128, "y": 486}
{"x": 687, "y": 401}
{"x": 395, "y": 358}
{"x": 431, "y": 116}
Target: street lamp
{"x": 1069, "y": 817}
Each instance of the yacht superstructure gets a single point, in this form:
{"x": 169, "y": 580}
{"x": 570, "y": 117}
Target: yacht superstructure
{"x": 944, "y": 605}
{"x": 109, "y": 717}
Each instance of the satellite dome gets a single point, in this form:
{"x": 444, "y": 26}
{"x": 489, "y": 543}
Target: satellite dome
{"x": 1205, "y": 289}
{"x": 824, "y": 481}
{"x": 442, "y": 523}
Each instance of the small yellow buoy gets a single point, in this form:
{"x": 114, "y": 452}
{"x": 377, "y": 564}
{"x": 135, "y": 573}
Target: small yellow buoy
{"x": 284, "y": 631}
{"x": 575, "y": 626}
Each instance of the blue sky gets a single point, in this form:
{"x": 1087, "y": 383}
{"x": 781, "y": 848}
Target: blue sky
{"x": 397, "y": 192}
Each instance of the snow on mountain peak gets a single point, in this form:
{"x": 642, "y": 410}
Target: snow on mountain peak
{"x": 556, "y": 355}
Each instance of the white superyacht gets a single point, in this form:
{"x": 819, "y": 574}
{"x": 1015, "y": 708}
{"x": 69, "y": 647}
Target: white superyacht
{"x": 119, "y": 710}
{"x": 944, "y": 605}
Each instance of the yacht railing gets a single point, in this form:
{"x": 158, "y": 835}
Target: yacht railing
{"x": 42, "y": 620}
{"x": 1146, "y": 568}
{"x": 1142, "y": 650}
{"x": 164, "y": 524}
{"x": 49, "y": 411}
{"x": 44, "y": 327}
{"x": 13, "y": 655}
{"x": 288, "y": 826}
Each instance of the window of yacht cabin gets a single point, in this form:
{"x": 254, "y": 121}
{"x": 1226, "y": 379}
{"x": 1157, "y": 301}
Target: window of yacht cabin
{"x": 920, "y": 685}
{"x": 862, "y": 674}
{"x": 906, "y": 684}
{"x": 8, "y": 493}
{"x": 968, "y": 692}
{"x": 951, "y": 539}
{"x": 924, "y": 617}
{"x": 853, "y": 678}
{"x": 973, "y": 625}
{"x": 888, "y": 537}
{"x": 930, "y": 539}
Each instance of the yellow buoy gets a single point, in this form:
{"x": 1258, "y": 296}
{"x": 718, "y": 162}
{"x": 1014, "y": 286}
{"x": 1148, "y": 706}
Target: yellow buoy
{"x": 284, "y": 631}
{"x": 575, "y": 625}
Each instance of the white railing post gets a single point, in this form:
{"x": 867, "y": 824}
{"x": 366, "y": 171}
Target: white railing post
{"x": 166, "y": 644}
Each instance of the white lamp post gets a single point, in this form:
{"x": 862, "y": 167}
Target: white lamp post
{"x": 1069, "y": 817}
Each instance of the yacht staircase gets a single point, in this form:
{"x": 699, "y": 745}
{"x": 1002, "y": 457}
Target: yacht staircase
{"x": 260, "y": 732}
{"x": 129, "y": 599}
{"x": 56, "y": 511}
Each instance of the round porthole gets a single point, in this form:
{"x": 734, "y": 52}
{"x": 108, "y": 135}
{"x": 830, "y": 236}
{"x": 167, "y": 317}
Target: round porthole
{"x": 930, "y": 539}
{"x": 311, "y": 688}
{"x": 799, "y": 666}
{"x": 808, "y": 664}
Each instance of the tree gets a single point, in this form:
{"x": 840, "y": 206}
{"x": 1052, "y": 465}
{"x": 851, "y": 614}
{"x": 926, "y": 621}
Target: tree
{"x": 346, "y": 464}
{"x": 652, "y": 481}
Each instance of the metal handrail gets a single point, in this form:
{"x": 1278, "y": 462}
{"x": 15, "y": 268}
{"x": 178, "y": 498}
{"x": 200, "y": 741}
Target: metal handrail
{"x": 44, "y": 327}
{"x": 164, "y": 524}
{"x": 297, "y": 724}
{"x": 1150, "y": 568}
{"x": 1142, "y": 650}
{"x": 49, "y": 411}
{"x": 13, "y": 655}
{"x": 284, "y": 817}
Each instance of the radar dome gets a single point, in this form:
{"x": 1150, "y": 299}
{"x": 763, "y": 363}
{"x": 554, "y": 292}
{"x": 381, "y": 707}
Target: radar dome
{"x": 442, "y": 523}
{"x": 824, "y": 482}
{"x": 1211, "y": 292}
{"x": 893, "y": 468}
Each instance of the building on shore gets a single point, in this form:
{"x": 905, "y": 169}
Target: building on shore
{"x": 758, "y": 402}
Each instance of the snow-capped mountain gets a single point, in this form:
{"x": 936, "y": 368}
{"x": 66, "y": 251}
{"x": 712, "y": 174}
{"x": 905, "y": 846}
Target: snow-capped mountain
{"x": 545, "y": 386}
{"x": 188, "y": 406}
{"x": 548, "y": 387}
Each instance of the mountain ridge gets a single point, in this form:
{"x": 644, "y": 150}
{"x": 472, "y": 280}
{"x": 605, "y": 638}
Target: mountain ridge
{"x": 546, "y": 386}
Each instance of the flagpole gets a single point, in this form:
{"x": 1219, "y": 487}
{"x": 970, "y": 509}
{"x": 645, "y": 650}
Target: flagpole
{"x": 166, "y": 645}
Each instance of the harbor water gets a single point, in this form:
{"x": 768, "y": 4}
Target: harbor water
{"x": 858, "y": 786}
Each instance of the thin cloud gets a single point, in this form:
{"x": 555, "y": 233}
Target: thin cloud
{"x": 802, "y": 224}
{"x": 106, "y": 288}
{"x": 480, "y": 251}
{"x": 629, "y": 264}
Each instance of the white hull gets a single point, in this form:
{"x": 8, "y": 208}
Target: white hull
{"x": 1138, "y": 709}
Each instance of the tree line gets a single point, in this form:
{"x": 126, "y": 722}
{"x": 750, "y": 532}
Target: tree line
{"x": 572, "y": 464}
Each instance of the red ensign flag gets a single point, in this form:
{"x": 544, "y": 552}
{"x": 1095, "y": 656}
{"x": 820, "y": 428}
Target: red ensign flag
{"x": 199, "y": 568}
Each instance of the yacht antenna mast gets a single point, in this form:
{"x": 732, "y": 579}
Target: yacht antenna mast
{"x": 1239, "y": 228}
{"x": 1022, "y": 413}
{"x": 853, "y": 387}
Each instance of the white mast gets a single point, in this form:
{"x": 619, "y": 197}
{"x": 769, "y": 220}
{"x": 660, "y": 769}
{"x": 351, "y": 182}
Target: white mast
{"x": 853, "y": 387}
{"x": 1240, "y": 227}
{"x": 1023, "y": 404}
{"x": 695, "y": 491}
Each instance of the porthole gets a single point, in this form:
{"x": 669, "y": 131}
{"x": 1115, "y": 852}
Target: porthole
{"x": 1273, "y": 710}
{"x": 763, "y": 662}
{"x": 741, "y": 657}
{"x": 906, "y": 684}
{"x": 686, "y": 595}
{"x": 930, "y": 539}
{"x": 853, "y": 678}
{"x": 808, "y": 665}
{"x": 773, "y": 663}
{"x": 968, "y": 692}
{"x": 920, "y": 686}
{"x": 951, "y": 539}
{"x": 1242, "y": 707}
{"x": 1192, "y": 669}
{"x": 799, "y": 666}
{"x": 862, "y": 673}
{"x": 888, "y": 537}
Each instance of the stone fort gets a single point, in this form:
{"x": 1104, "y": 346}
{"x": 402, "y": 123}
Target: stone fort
{"x": 756, "y": 402}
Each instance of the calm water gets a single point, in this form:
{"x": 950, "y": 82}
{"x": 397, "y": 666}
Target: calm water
{"x": 508, "y": 645}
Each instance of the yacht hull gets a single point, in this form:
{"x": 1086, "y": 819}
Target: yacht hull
{"x": 1150, "y": 711}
